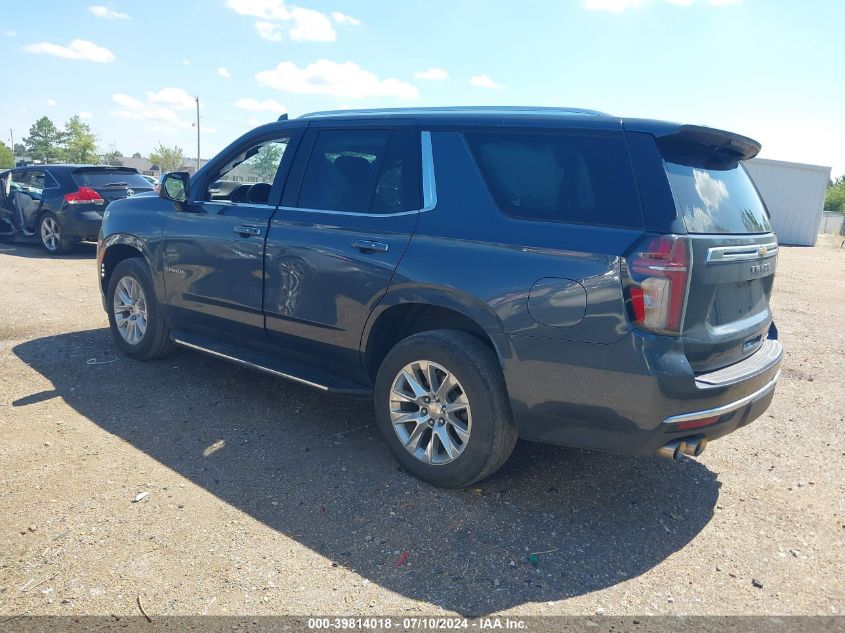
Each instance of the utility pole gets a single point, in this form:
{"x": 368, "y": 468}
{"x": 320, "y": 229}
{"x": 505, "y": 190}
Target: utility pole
{"x": 197, "y": 99}
{"x": 12, "y": 137}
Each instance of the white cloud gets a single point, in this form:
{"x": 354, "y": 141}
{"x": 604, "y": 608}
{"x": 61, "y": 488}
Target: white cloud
{"x": 159, "y": 117}
{"x": 310, "y": 26}
{"x": 51, "y": 102}
{"x": 620, "y": 6}
{"x": 85, "y": 115}
{"x": 483, "y": 81}
{"x": 104, "y": 12}
{"x": 334, "y": 79}
{"x": 303, "y": 25}
{"x": 432, "y": 74}
{"x": 78, "y": 49}
{"x": 224, "y": 72}
{"x": 9, "y": 33}
{"x": 186, "y": 62}
{"x": 614, "y": 6}
{"x": 269, "y": 31}
{"x": 254, "y": 105}
{"x": 175, "y": 98}
{"x": 342, "y": 18}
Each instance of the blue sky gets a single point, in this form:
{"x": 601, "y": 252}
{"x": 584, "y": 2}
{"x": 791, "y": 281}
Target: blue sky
{"x": 770, "y": 69}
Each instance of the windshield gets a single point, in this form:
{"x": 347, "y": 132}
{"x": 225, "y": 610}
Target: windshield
{"x": 716, "y": 200}
{"x": 111, "y": 178}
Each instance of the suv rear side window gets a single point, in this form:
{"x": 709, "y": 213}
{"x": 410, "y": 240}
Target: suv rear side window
{"x": 559, "y": 177}
{"x": 713, "y": 198}
{"x": 361, "y": 170}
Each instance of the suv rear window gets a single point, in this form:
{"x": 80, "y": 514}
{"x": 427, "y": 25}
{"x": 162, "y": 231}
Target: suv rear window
{"x": 715, "y": 198}
{"x": 559, "y": 177}
{"x": 113, "y": 177}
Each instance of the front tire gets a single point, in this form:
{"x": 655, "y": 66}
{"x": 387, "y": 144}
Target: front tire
{"x": 442, "y": 406}
{"x": 52, "y": 235}
{"x": 135, "y": 319}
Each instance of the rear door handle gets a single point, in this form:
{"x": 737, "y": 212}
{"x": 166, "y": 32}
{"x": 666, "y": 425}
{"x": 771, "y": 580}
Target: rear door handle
{"x": 246, "y": 230}
{"x": 368, "y": 246}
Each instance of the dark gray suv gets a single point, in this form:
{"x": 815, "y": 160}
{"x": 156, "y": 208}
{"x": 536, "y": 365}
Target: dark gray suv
{"x": 483, "y": 274}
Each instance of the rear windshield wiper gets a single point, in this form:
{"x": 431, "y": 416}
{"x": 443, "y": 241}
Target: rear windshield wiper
{"x": 116, "y": 184}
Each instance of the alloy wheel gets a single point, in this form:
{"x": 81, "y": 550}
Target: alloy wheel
{"x": 50, "y": 234}
{"x": 130, "y": 310}
{"x": 430, "y": 412}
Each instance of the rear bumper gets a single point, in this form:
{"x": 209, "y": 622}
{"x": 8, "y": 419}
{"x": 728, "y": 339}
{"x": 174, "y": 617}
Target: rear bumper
{"x": 81, "y": 223}
{"x": 725, "y": 409}
{"x": 632, "y": 396}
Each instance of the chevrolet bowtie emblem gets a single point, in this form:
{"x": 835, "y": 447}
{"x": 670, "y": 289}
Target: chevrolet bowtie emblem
{"x": 762, "y": 251}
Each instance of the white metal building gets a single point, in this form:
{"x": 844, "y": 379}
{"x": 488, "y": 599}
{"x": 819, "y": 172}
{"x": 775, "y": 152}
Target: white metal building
{"x": 794, "y": 194}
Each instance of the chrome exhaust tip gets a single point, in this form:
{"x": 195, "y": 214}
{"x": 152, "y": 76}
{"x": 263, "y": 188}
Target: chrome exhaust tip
{"x": 695, "y": 445}
{"x": 673, "y": 449}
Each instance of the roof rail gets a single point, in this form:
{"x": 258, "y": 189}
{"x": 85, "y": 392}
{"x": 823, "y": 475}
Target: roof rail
{"x": 452, "y": 110}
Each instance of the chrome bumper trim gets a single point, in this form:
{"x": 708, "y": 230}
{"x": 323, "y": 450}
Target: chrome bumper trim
{"x": 725, "y": 408}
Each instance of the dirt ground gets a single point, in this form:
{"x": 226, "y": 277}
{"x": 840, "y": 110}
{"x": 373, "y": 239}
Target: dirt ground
{"x": 269, "y": 498}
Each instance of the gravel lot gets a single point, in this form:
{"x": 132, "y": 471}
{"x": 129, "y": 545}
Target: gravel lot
{"x": 269, "y": 498}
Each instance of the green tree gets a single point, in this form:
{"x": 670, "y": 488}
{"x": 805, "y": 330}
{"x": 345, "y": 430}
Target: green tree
{"x": 266, "y": 161}
{"x": 6, "y": 157}
{"x": 20, "y": 150}
{"x": 137, "y": 155}
{"x": 114, "y": 158}
{"x": 45, "y": 141}
{"x": 834, "y": 199}
{"x": 167, "y": 158}
{"x": 80, "y": 142}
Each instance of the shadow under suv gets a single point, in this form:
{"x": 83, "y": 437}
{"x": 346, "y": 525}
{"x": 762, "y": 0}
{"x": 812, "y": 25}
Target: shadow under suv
{"x": 483, "y": 274}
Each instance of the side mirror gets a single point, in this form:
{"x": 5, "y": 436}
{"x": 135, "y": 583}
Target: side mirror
{"x": 176, "y": 187}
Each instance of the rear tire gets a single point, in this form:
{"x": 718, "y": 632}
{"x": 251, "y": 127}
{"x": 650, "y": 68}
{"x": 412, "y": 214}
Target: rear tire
{"x": 135, "y": 320}
{"x": 52, "y": 235}
{"x": 459, "y": 359}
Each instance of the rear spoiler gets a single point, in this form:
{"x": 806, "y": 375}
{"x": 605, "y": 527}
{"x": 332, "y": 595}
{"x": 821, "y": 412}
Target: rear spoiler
{"x": 727, "y": 145}
{"x": 94, "y": 168}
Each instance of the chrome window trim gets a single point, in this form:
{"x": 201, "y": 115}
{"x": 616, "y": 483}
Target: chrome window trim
{"x": 428, "y": 180}
{"x": 727, "y": 408}
{"x": 429, "y": 187}
{"x": 746, "y": 252}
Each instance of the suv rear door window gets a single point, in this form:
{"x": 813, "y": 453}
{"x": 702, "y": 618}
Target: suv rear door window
{"x": 100, "y": 178}
{"x": 361, "y": 171}
{"x": 714, "y": 199}
{"x": 559, "y": 177}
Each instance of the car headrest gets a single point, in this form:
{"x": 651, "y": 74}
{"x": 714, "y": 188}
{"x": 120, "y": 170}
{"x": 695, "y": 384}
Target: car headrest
{"x": 259, "y": 193}
{"x": 353, "y": 168}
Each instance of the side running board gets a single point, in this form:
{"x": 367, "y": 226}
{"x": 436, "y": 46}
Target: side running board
{"x": 272, "y": 364}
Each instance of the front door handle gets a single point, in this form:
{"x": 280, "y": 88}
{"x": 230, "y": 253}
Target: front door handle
{"x": 246, "y": 230}
{"x": 368, "y": 246}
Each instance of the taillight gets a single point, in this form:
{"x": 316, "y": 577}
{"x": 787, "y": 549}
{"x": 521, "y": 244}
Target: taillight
{"x": 656, "y": 277}
{"x": 85, "y": 195}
